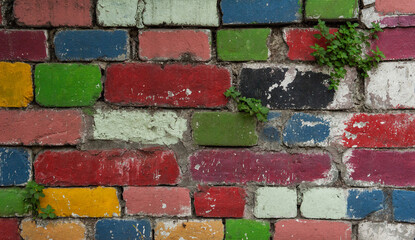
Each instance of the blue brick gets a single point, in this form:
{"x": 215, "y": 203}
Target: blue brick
{"x": 404, "y": 205}
{"x": 108, "y": 229}
{"x": 15, "y": 166}
{"x": 85, "y": 45}
{"x": 260, "y": 11}
{"x": 271, "y": 134}
{"x": 273, "y": 115}
{"x": 362, "y": 202}
{"x": 302, "y": 128}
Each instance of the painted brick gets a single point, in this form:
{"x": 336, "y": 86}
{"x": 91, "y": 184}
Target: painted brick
{"x": 61, "y": 229}
{"x": 174, "y": 85}
{"x": 107, "y": 229}
{"x": 224, "y": 129}
{"x": 260, "y": 11}
{"x": 312, "y": 229}
{"x": 390, "y": 6}
{"x": 41, "y": 127}
{"x": 331, "y": 9}
{"x": 162, "y": 127}
{"x": 11, "y": 202}
{"x": 107, "y": 167}
{"x": 294, "y": 87}
{"x": 230, "y": 166}
{"x": 270, "y": 133}
{"x": 384, "y": 230}
{"x": 9, "y": 228}
{"x": 117, "y": 13}
{"x": 299, "y": 41}
{"x": 53, "y": 13}
{"x": 179, "y": 12}
{"x": 306, "y": 130}
{"x": 363, "y": 202}
{"x": 237, "y": 229}
{"x": 82, "y": 202}
{"x": 273, "y": 202}
{"x": 15, "y": 166}
{"x": 67, "y": 85}
{"x": 188, "y": 44}
{"x": 209, "y": 230}
{"x": 329, "y": 203}
{"x": 380, "y": 130}
{"x": 243, "y": 44}
{"x": 25, "y": 45}
{"x": 371, "y": 14}
{"x": 396, "y": 43}
{"x": 403, "y": 206}
{"x": 157, "y": 201}
{"x": 87, "y": 45}
{"x": 16, "y": 84}
{"x": 220, "y": 202}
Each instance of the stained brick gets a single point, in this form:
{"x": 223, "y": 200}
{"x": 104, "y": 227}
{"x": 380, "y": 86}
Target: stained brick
{"x": 306, "y": 130}
{"x": 16, "y": 84}
{"x": 15, "y": 166}
{"x": 107, "y": 229}
{"x": 312, "y": 229}
{"x": 23, "y": 45}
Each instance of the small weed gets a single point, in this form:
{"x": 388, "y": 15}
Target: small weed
{"x": 250, "y": 105}
{"x": 33, "y": 193}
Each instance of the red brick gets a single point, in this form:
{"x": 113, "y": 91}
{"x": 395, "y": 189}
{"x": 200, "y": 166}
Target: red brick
{"x": 312, "y": 229}
{"x": 396, "y": 43}
{"x": 220, "y": 202}
{"x": 157, "y": 201}
{"x": 157, "y": 45}
{"x": 53, "y": 12}
{"x": 394, "y": 7}
{"x": 41, "y": 127}
{"x": 9, "y": 229}
{"x": 230, "y": 166}
{"x": 26, "y": 45}
{"x": 380, "y": 130}
{"x": 299, "y": 42}
{"x": 173, "y": 86}
{"x": 107, "y": 167}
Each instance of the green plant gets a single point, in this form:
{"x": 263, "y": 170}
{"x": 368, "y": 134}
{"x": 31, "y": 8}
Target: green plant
{"x": 32, "y": 195}
{"x": 250, "y": 105}
{"x": 345, "y": 48}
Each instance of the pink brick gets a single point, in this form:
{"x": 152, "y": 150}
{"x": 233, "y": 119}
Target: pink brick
{"x": 9, "y": 229}
{"x": 396, "y": 43}
{"x": 395, "y": 7}
{"x": 26, "y": 45}
{"x": 107, "y": 167}
{"x": 53, "y": 12}
{"x": 158, "y": 45}
{"x": 157, "y": 201}
{"x": 41, "y": 127}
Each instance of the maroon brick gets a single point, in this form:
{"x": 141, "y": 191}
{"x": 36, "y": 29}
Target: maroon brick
{"x": 26, "y": 45}
{"x": 231, "y": 166}
{"x": 220, "y": 202}
{"x": 107, "y": 167}
{"x": 173, "y": 85}
{"x": 9, "y": 229}
{"x": 396, "y": 43}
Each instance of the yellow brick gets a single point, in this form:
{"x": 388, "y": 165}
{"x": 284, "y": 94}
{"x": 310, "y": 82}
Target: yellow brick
{"x": 62, "y": 230}
{"x": 202, "y": 230}
{"x": 15, "y": 84}
{"x": 82, "y": 202}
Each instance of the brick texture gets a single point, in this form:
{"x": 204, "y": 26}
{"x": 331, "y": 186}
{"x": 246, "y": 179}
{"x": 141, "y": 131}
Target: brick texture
{"x": 23, "y": 45}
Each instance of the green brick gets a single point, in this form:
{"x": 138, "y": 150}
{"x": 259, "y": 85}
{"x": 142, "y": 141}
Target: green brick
{"x": 243, "y": 44}
{"x": 241, "y": 229}
{"x": 67, "y": 85}
{"x": 332, "y": 9}
{"x": 11, "y": 202}
{"x": 224, "y": 129}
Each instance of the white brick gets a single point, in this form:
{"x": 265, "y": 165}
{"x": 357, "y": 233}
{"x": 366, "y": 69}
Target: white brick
{"x": 275, "y": 203}
{"x": 386, "y": 231}
{"x": 330, "y": 203}
{"x": 117, "y": 13}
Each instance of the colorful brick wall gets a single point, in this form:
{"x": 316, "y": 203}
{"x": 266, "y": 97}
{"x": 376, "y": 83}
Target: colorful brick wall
{"x": 117, "y": 107}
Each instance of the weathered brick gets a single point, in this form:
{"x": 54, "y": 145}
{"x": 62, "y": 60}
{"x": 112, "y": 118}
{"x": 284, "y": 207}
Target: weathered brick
{"x": 82, "y": 202}
{"x": 271, "y": 132}
{"x": 9, "y": 228}
{"x": 162, "y": 127}
{"x": 379, "y": 130}
{"x": 11, "y": 202}
{"x": 260, "y": 11}
{"x": 107, "y": 229}
{"x": 117, "y": 13}
{"x": 403, "y": 206}
{"x": 107, "y": 167}
{"x": 53, "y": 13}
{"x": 173, "y": 85}
{"x": 15, "y": 166}
{"x": 156, "y": 45}
{"x": 237, "y": 229}
{"x": 396, "y": 43}
{"x": 306, "y": 130}
{"x": 209, "y": 230}
{"x": 243, "y": 44}
{"x": 384, "y": 230}
{"x": 331, "y": 9}
{"x": 312, "y": 229}
{"x": 16, "y": 84}
{"x": 390, "y": 6}
{"x": 230, "y": 166}
{"x": 220, "y": 202}
{"x": 266, "y": 199}
{"x": 179, "y": 12}
{"x": 371, "y": 14}
{"x": 363, "y": 202}
{"x": 41, "y": 127}
{"x": 60, "y": 229}
{"x": 224, "y": 129}
{"x": 295, "y": 87}
{"x": 157, "y": 201}
{"x": 67, "y": 85}
{"x": 87, "y": 45}
{"x": 26, "y": 45}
